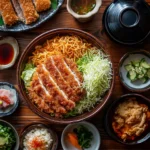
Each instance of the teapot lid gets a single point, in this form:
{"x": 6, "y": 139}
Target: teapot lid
{"x": 127, "y": 21}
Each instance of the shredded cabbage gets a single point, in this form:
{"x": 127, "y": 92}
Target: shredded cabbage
{"x": 97, "y": 74}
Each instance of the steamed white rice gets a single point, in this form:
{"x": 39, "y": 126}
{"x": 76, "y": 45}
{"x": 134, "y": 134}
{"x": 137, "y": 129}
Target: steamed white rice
{"x": 42, "y": 134}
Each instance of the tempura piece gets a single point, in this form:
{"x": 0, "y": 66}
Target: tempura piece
{"x": 29, "y": 12}
{"x": 7, "y": 11}
{"x": 42, "y": 5}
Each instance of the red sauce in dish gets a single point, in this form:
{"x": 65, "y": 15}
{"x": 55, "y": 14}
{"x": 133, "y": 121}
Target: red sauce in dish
{"x": 6, "y": 54}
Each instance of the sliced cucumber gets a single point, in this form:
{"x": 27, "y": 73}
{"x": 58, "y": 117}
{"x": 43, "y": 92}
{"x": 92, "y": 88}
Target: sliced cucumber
{"x": 148, "y": 73}
{"x": 145, "y": 65}
{"x": 132, "y": 75}
{"x": 138, "y": 70}
{"x": 129, "y": 67}
{"x": 144, "y": 80}
{"x": 136, "y": 63}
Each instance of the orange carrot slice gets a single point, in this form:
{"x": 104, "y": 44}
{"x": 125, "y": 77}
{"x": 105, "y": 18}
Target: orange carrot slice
{"x": 73, "y": 139}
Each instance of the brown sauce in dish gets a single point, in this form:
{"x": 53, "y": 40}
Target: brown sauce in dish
{"x": 6, "y": 54}
{"x": 82, "y": 7}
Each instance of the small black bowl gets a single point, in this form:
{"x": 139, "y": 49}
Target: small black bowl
{"x": 8, "y": 111}
{"x": 109, "y": 116}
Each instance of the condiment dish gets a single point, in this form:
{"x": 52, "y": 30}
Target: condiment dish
{"x": 109, "y": 119}
{"x": 86, "y": 17}
{"x": 95, "y": 143}
{"x": 5, "y": 123}
{"x": 10, "y": 109}
{"x": 138, "y": 85}
{"x": 38, "y": 125}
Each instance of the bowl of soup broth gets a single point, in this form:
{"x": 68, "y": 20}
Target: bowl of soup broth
{"x": 83, "y": 10}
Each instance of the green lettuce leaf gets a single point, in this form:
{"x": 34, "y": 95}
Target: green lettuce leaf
{"x": 27, "y": 74}
{"x": 54, "y": 3}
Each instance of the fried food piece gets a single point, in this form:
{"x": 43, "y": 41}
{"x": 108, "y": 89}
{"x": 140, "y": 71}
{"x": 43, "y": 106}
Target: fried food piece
{"x": 29, "y": 12}
{"x": 7, "y": 11}
{"x": 42, "y": 5}
{"x": 18, "y": 10}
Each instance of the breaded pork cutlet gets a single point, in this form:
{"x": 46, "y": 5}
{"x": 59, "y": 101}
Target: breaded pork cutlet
{"x": 42, "y": 5}
{"x": 18, "y": 10}
{"x": 7, "y": 11}
{"x": 29, "y": 12}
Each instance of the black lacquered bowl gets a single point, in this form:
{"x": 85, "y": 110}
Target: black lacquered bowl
{"x": 109, "y": 118}
{"x": 127, "y": 21}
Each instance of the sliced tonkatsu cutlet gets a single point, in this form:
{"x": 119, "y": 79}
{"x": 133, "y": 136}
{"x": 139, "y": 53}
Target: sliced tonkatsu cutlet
{"x": 18, "y": 10}
{"x": 29, "y": 11}
{"x": 42, "y": 5}
{"x": 8, "y": 13}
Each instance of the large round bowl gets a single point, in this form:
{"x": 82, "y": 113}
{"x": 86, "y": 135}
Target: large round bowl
{"x": 40, "y": 40}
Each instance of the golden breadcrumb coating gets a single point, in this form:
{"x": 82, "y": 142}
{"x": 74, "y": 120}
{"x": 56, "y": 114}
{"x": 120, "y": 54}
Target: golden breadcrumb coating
{"x": 7, "y": 11}
{"x": 29, "y": 12}
{"x": 42, "y": 5}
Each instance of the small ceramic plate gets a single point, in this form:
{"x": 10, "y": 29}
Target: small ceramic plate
{"x": 136, "y": 86}
{"x": 16, "y": 146}
{"x": 9, "y": 110}
{"x": 43, "y": 16}
{"x": 95, "y": 143}
{"x": 38, "y": 125}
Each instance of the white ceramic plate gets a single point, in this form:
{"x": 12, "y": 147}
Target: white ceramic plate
{"x": 95, "y": 143}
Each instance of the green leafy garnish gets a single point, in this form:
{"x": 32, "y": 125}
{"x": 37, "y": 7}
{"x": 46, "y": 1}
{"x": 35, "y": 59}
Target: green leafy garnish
{"x": 1, "y": 21}
{"x": 54, "y": 3}
{"x": 27, "y": 74}
{"x": 84, "y": 136}
{"x": 7, "y": 138}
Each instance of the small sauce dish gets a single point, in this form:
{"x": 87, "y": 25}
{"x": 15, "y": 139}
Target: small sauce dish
{"x": 83, "y": 10}
{"x": 137, "y": 85}
{"x": 95, "y": 143}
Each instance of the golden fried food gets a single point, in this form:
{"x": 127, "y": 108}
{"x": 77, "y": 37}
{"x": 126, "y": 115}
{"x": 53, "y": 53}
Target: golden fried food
{"x": 130, "y": 119}
{"x": 29, "y": 12}
{"x": 56, "y": 86}
{"x": 42, "y": 5}
{"x": 7, "y": 11}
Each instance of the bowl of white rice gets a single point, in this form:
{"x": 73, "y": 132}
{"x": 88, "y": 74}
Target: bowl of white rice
{"x": 38, "y": 136}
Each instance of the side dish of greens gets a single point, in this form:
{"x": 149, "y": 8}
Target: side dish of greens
{"x": 7, "y": 138}
{"x": 138, "y": 70}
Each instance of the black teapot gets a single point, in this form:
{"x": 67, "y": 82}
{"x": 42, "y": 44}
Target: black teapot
{"x": 127, "y": 21}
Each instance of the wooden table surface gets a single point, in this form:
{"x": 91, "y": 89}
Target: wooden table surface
{"x": 24, "y": 115}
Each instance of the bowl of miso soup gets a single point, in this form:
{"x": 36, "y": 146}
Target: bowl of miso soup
{"x": 83, "y": 10}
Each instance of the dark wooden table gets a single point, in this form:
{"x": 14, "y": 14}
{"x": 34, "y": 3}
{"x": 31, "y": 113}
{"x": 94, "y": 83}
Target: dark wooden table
{"x": 24, "y": 115}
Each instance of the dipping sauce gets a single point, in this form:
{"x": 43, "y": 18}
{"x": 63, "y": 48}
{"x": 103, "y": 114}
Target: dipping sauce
{"x": 82, "y": 7}
{"x": 6, "y": 54}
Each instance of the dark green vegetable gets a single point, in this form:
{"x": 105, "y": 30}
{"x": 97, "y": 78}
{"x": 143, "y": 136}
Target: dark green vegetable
{"x": 7, "y": 138}
{"x": 138, "y": 70}
{"x": 84, "y": 136}
{"x": 1, "y": 21}
{"x": 54, "y": 3}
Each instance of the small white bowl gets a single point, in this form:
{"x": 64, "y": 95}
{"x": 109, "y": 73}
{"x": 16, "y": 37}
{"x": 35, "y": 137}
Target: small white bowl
{"x": 95, "y": 143}
{"x": 136, "y": 86}
{"x": 86, "y": 17}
